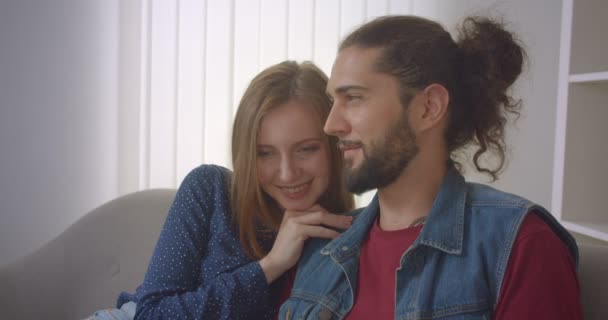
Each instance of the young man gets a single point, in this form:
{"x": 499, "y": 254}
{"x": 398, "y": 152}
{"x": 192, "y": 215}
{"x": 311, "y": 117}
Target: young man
{"x": 407, "y": 98}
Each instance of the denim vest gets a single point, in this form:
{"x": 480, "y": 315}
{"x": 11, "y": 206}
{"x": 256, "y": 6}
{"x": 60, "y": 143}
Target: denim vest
{"x": 453, "y": 270}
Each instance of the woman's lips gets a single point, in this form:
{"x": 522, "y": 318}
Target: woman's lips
{"x": 296, "y": 191}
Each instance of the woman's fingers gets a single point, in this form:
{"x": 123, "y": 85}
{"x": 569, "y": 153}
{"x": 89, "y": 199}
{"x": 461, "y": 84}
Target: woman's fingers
{"x": 296, "y": 228}
{"x": 323, "y": 218}
{"x": 307, "y": 231}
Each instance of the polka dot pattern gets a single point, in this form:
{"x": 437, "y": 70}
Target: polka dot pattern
{"x": 199, "y": 269}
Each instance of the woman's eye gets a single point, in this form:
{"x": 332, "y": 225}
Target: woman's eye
{"x": 264, "y": 153}
{"x": 309, "y": 149}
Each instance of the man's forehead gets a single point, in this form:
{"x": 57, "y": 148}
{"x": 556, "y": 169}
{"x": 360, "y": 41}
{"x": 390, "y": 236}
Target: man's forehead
{"x": 355, "y": 56}
{"x": 352, "y": 67}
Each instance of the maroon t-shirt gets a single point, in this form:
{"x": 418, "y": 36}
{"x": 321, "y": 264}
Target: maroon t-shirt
{"x": 289, "y": 278}
{"x": 379, "y": 260}
{"x": 540, "y": 281}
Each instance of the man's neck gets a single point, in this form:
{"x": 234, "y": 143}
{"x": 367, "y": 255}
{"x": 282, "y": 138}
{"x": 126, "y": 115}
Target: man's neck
{"x": 411, "y": 196}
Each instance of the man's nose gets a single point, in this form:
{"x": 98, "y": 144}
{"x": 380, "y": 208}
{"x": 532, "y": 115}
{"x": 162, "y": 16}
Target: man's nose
{"x": 336, "y": 124}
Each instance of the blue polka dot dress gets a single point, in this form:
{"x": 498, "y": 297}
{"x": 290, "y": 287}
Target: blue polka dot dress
{"x": 199, "y": 269}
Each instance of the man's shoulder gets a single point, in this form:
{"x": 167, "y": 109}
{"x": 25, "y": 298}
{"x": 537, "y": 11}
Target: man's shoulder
{"x": 483, "y": 195}
{"x": 493, "y": 208}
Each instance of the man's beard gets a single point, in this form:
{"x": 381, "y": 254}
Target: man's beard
{"x": 384, "y": 161}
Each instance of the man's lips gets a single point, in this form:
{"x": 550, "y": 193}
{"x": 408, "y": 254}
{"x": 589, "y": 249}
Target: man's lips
{"x": 346, "y": 145}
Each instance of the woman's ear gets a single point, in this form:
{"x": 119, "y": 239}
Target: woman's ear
{"x": 433, "y": 108}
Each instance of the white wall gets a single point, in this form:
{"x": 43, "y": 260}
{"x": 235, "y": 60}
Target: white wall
{"x": 58, "y": 116}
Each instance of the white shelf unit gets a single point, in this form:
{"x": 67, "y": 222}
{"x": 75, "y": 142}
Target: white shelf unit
{"x": 589, "y": 77}
{"x": 580, "y": 176}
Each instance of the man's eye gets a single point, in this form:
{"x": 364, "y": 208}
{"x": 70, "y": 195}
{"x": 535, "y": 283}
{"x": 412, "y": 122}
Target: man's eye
{"x": 352, "y": 97}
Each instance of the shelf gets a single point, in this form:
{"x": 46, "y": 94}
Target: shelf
{"x": 589, "y": 47}
{"x": 589, "y": 77}
{"x": 581, "y": 150}
{"x": 595, "y": 230}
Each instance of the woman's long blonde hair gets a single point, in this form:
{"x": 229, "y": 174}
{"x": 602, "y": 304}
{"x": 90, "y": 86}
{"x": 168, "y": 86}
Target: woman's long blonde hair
{"x": 252, "y": 208}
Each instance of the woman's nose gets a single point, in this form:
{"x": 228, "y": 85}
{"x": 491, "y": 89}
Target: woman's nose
{"x": 288, "y": 170}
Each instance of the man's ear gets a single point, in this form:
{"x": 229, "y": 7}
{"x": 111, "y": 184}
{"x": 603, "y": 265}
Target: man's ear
{"x": 433, "y": 108}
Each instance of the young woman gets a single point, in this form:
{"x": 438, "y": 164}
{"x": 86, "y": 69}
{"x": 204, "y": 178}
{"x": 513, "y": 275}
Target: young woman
{"x": 229, "y": 237}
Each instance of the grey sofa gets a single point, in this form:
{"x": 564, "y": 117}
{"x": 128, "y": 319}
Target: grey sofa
{"x": 107, "y": 251}
{"x": 593, "y": 279}
{"x": 89, "y": 264}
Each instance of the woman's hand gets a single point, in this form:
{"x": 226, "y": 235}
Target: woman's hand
{"x": 295, "y": 229}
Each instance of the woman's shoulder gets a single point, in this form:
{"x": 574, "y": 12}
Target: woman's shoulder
{"x": 211, "y": 170}
{"x": 203, "y": 196}
{"x": 208, "y": 175}
{"x": 206, "y": 183}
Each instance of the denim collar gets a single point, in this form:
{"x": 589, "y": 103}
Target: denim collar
{"x": 443, "y": 229}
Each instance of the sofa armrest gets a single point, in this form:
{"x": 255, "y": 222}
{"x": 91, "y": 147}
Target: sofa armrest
{"x": 85, "y": 268}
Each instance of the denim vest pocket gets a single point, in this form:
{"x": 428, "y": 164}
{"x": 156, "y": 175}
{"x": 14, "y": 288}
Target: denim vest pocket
{"x": 480, "y": 315}
{"x": 479, "y": 312}
{"x": 300, "y": 309}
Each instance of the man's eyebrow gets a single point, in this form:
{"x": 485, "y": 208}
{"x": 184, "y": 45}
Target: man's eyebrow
{"x": 344, "y": 89}
{"x": 299, "y": 142}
